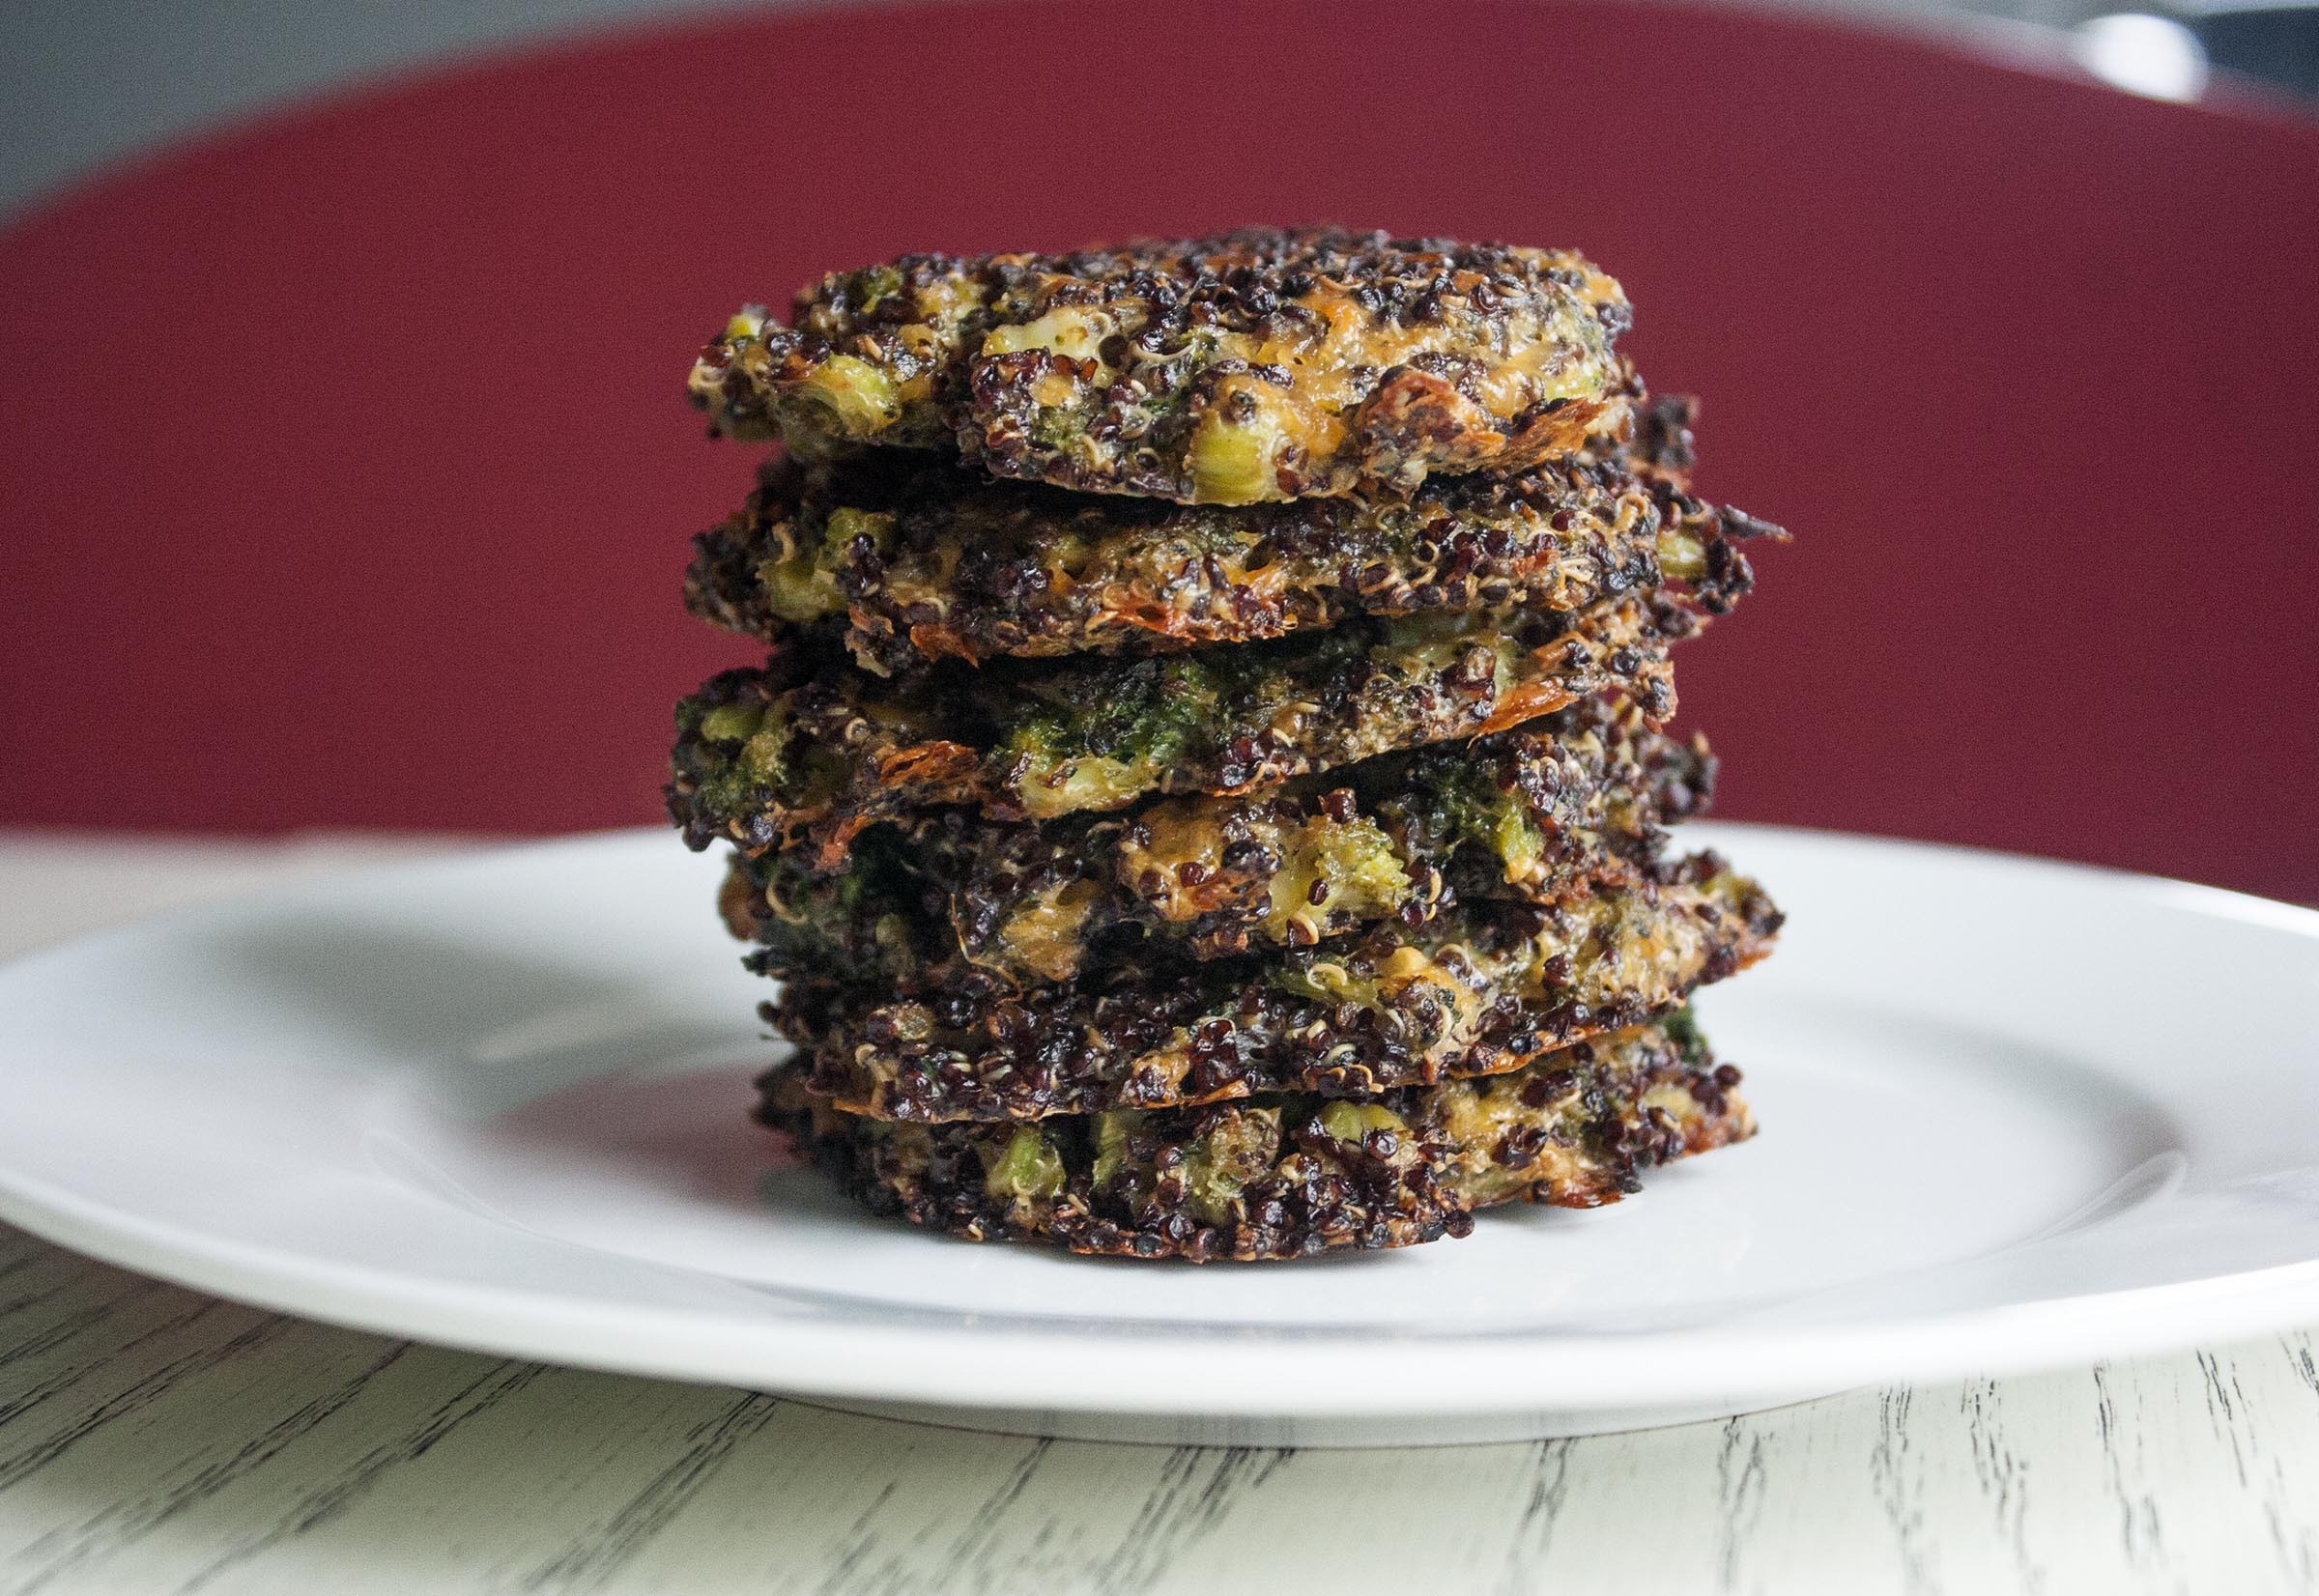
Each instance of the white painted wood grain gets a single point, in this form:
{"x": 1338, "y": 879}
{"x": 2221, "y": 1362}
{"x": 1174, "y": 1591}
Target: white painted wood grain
{"x": 156, "y": 1440}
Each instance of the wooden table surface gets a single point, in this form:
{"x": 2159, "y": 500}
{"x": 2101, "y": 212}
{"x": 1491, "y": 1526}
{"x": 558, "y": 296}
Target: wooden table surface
{"x": 157, "y": 1439}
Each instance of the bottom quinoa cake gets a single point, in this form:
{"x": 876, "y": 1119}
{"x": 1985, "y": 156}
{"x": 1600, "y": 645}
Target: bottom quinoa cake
{"x": 1482, "y": 990}
{"x": 1287, "y": 1175}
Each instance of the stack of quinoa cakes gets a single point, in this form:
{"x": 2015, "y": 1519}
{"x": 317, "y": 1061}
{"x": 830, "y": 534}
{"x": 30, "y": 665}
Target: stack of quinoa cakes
{"x": 1207, "y": 794}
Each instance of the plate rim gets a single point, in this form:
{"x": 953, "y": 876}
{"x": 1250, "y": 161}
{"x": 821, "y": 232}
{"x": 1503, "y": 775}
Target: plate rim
{"x": 1063, "y": 1370}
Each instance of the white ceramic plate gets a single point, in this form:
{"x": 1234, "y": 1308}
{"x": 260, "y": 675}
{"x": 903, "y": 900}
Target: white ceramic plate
{"x": 2014, "y": 1114}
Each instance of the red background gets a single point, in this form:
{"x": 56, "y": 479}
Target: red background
{"x": 346, "y": 479}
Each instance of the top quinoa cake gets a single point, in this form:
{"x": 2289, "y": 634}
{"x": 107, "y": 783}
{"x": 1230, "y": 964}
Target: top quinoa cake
{"x": 1257, "y": 365}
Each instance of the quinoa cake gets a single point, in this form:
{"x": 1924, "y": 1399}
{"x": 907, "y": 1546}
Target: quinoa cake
{"x": 809, "y": 750}
{"x": 922, "y": 559}
{"x": 1258, "y": 365}
{"x": 1525, "y": 813}
{"x": 1285, "y": 1176}
{"x": 1208, "y": 791}
{"x": 1481, "y": 989}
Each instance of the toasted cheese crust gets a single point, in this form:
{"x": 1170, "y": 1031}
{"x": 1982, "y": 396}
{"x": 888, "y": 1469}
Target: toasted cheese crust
{"x": 920, "y": 560}
{"x": 1479, "y": 990}
{"x": 1289, "y": 1176}
{"x": 809, "y": 750}
{"x": 1258, "y": 365}
{"x": 947, "y": 895}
